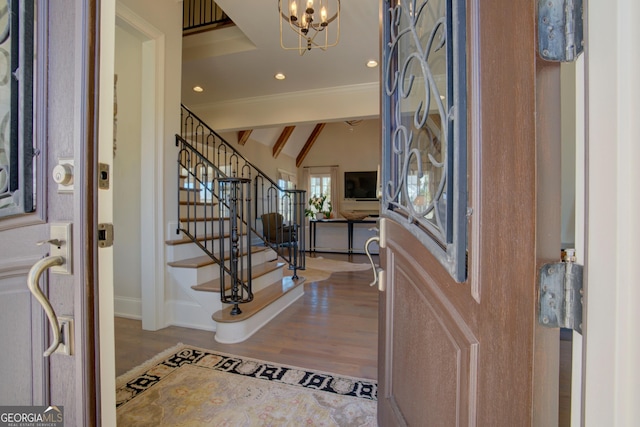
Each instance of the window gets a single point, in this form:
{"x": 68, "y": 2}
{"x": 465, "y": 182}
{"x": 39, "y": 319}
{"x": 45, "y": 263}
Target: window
{"x": 323, "y": 180}
{"x": 16, "y": 108}
{"x": 286, "y": 181}
{"x": 424, "y": 111}
{"x": 320, "y": 184}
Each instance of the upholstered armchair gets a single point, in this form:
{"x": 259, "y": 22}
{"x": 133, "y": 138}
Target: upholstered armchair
{"x": 275, "y": 231}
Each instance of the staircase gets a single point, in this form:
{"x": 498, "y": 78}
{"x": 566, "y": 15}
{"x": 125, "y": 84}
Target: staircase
{"x": 220, "y": 256}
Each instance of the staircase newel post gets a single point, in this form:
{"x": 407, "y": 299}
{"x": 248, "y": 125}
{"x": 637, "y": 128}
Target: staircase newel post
{"x": 247, "y": 226}
{"x": 234, "y": 193}
{"x": 302, "y": 200}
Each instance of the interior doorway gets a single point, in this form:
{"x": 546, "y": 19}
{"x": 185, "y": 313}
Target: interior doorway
{"x": 137, "y": 178}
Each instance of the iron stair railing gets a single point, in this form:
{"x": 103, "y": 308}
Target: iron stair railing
{"x": 212, "y": 205}
{"x": 268, "y": 197}
{"x": 199, "y": 14}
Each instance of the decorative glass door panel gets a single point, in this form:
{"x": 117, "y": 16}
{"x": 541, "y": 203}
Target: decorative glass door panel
{"x": 424, "y": 142}
{"x": 16, "y": 107}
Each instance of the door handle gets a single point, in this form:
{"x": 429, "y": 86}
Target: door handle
{"x": 378, "y": 272}
{"x": 32, "y": 281}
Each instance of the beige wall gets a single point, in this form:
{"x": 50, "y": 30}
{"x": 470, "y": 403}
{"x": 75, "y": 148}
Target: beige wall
{"x": 156, "y": 25}
{"x": 354, "y": 148}
{"x": 166, "y": 17}
{"x": 126, "y": 168}
{"x": 261, "y": 155}
{"x": 351, "y": 148}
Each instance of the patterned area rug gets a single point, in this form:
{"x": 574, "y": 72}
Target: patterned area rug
{"x": 319, "y": 268}
{"x": 190, "y": 386}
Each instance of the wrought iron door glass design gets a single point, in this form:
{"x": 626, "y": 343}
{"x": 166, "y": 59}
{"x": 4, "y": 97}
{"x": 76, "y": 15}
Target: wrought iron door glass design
{"x": 16, "y": 107}
{"x": 424, "y": 134}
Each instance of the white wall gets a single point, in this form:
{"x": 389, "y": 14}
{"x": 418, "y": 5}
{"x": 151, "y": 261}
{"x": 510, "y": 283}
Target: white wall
{"x": 126, "y": 175}
{"x": 158, "y": 23}
{"x": 166, "y": 16}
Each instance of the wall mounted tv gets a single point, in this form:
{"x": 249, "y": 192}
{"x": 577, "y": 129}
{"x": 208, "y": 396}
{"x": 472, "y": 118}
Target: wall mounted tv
{"x": 360, "y": 185}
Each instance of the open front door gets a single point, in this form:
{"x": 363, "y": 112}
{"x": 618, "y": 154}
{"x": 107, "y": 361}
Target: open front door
{"x": 46, "y": 215}
{"x": 470, "y": 211}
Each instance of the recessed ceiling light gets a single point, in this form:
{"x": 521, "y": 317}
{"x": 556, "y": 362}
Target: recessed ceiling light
{"x": 372, "y": 63}
{"x": 198, "y": 89}
{"x": 280, "y": 76}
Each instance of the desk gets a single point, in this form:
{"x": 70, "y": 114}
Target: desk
{"x": 314, "y": 222}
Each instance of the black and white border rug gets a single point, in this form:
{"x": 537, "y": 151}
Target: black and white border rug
{"x": 146, "y": 376}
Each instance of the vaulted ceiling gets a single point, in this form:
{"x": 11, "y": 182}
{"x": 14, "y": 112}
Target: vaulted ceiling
{"x": 236, "y": 67}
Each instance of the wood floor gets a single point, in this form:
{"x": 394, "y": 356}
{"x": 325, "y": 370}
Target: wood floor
{"x": 333, "y": 328}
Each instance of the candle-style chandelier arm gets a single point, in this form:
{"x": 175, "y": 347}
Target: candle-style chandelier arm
{"x": 307, "y": 22}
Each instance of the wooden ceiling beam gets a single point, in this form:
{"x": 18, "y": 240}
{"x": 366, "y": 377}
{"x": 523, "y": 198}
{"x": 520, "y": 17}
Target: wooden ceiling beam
{"x": 282, "y": 140}
{"x": 243, "y": 136}
{"x": 307, "y": 146}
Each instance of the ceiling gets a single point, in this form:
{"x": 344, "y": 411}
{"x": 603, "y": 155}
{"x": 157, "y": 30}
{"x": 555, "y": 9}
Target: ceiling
{"x": 239, "y": 63}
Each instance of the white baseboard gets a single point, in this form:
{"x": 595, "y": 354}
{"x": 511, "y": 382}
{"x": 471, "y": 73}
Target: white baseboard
{"x": 129, "y": 308}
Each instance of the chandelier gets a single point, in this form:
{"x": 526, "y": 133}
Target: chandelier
{"x": 310, "y": 24}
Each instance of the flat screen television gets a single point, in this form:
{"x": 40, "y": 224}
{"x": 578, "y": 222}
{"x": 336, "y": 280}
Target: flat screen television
{"x": 360, "y": 185}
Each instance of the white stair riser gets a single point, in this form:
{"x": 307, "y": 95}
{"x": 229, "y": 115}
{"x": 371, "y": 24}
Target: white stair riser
{"x": 209, "y": 301}
{"x": 230, "y": 333}
{"x": 199, "y": 211}
{"x": 196, "y": 276}
{"x": 265, "y": 280}
{"x": 210, "y": 227}
{"x": 190, "y": 195}
{"x": 189, "y": 314}
{"x": 189, "y": 250}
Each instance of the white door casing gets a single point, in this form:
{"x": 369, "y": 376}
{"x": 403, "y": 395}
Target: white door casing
{"x": 611, "y": 379}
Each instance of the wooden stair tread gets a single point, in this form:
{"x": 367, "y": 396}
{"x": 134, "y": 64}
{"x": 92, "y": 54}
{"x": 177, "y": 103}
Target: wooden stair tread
{"x": 202, "y": 261}
{"x": 261, "y": 299}
{"x": 256, "y": 271}
{"x": 200, "y": 218}
{"x": 198, "y": 203}
{"x": 185, "y": 240}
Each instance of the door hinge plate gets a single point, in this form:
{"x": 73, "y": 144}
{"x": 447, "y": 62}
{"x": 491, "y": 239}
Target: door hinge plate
{"x": 560, "y": 29}
{"x": 560, "y": 292}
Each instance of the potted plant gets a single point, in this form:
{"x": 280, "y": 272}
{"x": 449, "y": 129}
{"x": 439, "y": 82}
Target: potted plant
{"x": 319, "y": 207}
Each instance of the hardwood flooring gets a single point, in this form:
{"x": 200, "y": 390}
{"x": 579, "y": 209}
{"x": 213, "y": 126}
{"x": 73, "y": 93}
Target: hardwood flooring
{"x": 333, "y": 327}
